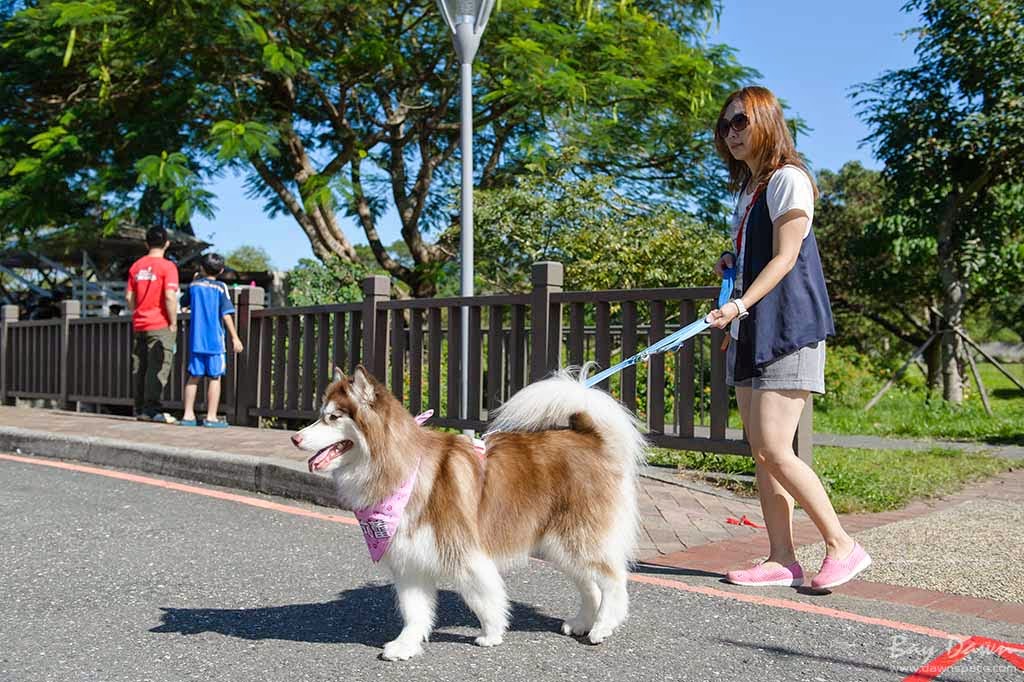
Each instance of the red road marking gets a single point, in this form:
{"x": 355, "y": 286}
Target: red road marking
{"x": 953, "y": 655}
{"x": 797, "y": 606}
{"x": 1003, "y": 649}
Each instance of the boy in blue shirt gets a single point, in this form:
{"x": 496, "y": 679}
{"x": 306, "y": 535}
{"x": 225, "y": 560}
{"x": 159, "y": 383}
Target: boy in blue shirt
{"x": 209, "y": 304}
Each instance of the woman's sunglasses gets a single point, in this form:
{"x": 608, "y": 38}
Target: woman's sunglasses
{"x": 738, "y": 122}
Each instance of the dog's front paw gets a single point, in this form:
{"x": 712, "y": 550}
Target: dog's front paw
{"x": 599, "y": 633}
{"x": 488, "y": 640}
{"x": 401, "y": 650}
{"x": 574, "y": 627}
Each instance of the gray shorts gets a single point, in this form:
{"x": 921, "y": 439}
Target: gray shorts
{"x": 802, "y": 370}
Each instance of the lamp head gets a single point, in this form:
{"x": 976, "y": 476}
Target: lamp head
{"x": 466, "y": 19}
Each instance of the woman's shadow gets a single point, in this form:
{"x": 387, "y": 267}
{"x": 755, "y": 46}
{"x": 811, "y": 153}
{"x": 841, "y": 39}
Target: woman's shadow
{"x": 364, "y": 615}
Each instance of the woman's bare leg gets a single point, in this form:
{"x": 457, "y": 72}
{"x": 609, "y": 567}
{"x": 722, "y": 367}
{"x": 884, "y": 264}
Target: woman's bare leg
{"x": 776, "y": 503}
{"x": 774, "y": 416}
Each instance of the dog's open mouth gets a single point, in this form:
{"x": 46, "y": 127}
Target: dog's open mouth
{"x": 324, "y": 457}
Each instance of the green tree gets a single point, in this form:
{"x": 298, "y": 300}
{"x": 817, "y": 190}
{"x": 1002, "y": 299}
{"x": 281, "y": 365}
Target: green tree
{"x": 850, "y": 203}
{"x": 605, "y": 240}
{"x": 950, "y": 131}
{"x": 877, "y": 276}
{"x": 247, "y": 258}
{"x": 1000, "y": 283}
{"x": 314, "y": 282}
{"x": 85, "y": 97}
{"x": 336, "y": 110}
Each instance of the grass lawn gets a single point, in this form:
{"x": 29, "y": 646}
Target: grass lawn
{"x": 880, "y": 480}
{"x": 905, "y": 412}
{"x": 863, "y": 480}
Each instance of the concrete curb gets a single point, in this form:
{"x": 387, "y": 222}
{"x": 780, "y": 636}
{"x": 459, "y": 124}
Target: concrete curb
{"x": 243, "y": 472}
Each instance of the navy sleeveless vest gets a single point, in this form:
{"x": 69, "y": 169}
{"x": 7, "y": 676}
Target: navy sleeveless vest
{"x": 795, "y": 314}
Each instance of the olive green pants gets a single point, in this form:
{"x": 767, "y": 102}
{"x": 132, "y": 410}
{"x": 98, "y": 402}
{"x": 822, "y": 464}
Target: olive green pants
{"x": 152, "y": 358}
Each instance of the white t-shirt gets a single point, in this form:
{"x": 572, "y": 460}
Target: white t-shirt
{"x": 788, "y": 189}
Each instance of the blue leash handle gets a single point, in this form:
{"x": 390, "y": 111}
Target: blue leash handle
{"x": 673, "y": 340}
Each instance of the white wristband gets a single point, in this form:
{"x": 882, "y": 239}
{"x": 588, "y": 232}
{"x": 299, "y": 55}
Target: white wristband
{"x": 741, "y": 309}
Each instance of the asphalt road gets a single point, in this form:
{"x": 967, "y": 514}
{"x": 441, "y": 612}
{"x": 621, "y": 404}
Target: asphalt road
{"x": 105, "y": 579}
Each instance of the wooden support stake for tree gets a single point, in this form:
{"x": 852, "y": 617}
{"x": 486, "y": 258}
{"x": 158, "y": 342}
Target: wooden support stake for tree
{"x": 895, "y": 377}
{"x": 978, "y": 348}
{"x": 981, "y": 386}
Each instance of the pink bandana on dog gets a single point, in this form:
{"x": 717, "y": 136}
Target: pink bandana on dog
{"x": 379, "y": 523}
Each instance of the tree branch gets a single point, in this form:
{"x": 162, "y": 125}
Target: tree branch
{"x": 293, "y": 206}
{"x": 365, "y": 215}
{"x": 910, "y": 338}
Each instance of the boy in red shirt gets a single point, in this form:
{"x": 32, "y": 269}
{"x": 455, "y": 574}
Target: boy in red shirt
{"x": 153, "y": 300}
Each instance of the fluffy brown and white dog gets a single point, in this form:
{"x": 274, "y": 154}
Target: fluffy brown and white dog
{"x": 558, "y": 482}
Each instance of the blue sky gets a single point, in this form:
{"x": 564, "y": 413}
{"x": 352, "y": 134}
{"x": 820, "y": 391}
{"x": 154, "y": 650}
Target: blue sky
{"x": 809, "y": 56}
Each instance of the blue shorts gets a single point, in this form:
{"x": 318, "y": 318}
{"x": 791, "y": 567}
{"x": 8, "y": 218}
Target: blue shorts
{"x": 211, "y": 365}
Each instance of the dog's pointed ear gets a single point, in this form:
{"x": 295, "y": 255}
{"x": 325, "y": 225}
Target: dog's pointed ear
{"x": 363, "y": 386}
{"x": 338, "y": 374}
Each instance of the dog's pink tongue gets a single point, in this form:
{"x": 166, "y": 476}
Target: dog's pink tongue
{"x": 332, "y": 452}
{"x": 321, "y": 459}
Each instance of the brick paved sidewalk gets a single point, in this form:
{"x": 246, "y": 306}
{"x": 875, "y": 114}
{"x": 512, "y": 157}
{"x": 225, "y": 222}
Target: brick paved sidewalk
{"x": 689, "y": 514}
{"x": 745, "y": 548}
{"x": 684, "y": 522}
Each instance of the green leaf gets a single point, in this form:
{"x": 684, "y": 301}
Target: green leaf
{"x": 47, "y": 140}
{"x": 71, "y": 46}
{"x": 26, "y": 165}
{"x": 232, "y": 141}
{"x": 285, "y": 62}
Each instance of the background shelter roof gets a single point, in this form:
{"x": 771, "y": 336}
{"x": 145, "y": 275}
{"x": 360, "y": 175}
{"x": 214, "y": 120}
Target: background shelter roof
{"x": 111, "y": 253}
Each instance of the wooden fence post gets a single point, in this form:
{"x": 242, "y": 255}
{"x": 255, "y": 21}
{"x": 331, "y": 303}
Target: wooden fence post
{"x": 376, "y": 289}
{"x": 69, "y": 310}
{"x": 547, "y": 278}
{"x": 8, "y": 314}
{"x": 248, "y": 363}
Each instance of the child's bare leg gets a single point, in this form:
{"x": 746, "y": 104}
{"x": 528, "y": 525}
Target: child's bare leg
{"x": 212, "y": 398}
{"x": 191, "y": 388}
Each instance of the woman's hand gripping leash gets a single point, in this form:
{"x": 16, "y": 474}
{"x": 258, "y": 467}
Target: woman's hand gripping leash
{"x": 722, "y": 317}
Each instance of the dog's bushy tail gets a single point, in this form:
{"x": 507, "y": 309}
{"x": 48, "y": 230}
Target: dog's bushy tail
{"x": 552, "y": 402}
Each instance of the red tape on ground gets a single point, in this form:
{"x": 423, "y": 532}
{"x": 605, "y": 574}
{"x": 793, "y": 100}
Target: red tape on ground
{"x": 957, "y": 653}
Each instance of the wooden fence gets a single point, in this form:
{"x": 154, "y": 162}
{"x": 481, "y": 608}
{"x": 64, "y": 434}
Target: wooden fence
{"x": 414, "y": 346}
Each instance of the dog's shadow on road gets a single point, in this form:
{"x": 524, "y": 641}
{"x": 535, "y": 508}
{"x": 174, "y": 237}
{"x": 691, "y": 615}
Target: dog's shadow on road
{"x": 365, "y": 615}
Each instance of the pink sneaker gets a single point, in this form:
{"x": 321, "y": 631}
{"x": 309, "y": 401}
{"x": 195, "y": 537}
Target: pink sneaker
{"x": 764, "y": 576}
{"x": 835, "y": 572}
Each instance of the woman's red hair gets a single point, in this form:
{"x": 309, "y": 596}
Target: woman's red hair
{"x": 770, "y": 139}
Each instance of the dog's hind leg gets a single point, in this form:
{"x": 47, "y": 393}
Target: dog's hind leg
{"x": 417, "y": 599}
{"x": 590, "y": 601}
{"x": 483, "y": 590}
{"x": 611, "y": 581}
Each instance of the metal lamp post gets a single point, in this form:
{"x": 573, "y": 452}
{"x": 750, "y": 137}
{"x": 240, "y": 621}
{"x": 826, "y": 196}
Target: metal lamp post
{"x": 466, "y": 19}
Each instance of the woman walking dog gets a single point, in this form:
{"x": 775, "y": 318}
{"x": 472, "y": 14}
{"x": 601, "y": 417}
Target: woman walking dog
{"x": 777, "y": 324}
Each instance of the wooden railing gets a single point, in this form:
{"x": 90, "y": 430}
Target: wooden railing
{"x": 414, "y": 346}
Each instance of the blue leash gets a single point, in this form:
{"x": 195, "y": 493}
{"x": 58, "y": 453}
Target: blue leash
{"x": 673, "y": 340}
